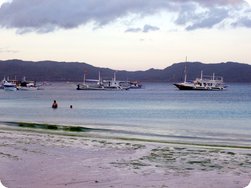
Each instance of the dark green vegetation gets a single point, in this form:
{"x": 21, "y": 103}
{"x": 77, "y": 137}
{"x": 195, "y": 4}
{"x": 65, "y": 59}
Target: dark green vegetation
{"x": 73, "y": 71}
{"x": 51, "y": 127}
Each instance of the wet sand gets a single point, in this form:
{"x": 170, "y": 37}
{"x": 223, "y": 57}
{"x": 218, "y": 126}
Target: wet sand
{"x": 43, "y": 160}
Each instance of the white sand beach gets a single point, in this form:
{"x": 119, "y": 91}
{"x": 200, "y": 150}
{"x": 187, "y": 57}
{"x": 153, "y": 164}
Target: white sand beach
{"x": 41, "y": 160}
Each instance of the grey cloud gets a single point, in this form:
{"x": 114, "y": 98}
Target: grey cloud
{"x": 133, "y": 30}
{"x": 210, "y": 3}
{"x": 48, "y": 15}
{"x": 148, "y": 28}
{"x": 208, "y": 14}
{"x": 244, "y": 22}
{"x": 209, "y": 19}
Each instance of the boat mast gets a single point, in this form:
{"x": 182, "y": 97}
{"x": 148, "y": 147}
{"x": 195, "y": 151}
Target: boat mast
{"x": 84, "y": 79}
{"x": 185, "y": 71}
{"x": 99, "y": 78}
{"x": 114, "y": 78}
{"x": 201, "y": 74}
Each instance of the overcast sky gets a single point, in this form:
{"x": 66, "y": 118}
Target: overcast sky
{"x": 131, "y": 34}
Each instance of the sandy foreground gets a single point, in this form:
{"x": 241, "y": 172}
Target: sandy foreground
{"x": 43, "y": 160}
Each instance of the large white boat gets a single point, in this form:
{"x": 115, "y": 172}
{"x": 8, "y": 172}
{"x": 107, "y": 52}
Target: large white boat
{"x": 203, "y": 83}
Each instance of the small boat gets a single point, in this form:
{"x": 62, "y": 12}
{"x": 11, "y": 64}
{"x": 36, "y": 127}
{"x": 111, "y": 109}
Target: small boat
{"x": 27, "y": 85}
{"x": 135, "y": 85}
{"x": 203, "y": 83}
{"x": 9, "y": 86}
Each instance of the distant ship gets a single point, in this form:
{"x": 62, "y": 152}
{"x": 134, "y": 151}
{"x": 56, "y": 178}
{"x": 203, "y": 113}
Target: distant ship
{"x": 203, "y": 83}
{"x": 91, "y": 84}
{"x": 25, "y": 85}
{"x": 114, "y": 84}
{"x": 135, "y": 85}
{"x": 8, "y": 85}
{"x": 13, "y": 85}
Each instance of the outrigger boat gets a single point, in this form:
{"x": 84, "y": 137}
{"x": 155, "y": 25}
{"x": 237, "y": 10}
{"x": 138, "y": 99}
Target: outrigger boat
{"x": 114, "y": 84}
{"x": 203, "y": 83}
{"x": 91, "y": 84}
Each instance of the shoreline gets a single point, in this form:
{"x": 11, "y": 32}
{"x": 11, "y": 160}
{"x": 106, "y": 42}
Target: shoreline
{"x": 43, "y": 159}
{"x": 86, "y": 131}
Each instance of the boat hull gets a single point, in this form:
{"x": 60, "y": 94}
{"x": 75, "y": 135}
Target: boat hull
{"x": 89, "y": 87}
{"x": 100, "y": 88}
{"x": 9, "y": 86}
{"x": 182, "y": 86}
{"x": 27, "y": 88}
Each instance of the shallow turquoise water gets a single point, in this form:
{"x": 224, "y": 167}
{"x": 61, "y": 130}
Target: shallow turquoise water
{"x": 159, "y": 111}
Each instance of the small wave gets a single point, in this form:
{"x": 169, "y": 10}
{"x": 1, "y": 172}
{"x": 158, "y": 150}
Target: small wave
{"x": 123, "y": 135}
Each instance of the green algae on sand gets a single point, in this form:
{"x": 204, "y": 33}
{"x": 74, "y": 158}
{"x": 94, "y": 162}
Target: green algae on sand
{"x": 50, "y": 126}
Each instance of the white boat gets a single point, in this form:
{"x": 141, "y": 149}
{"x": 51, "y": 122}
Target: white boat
{"x": 92, "y": 84}
{"x": 9, "y": 86}
{"x": 203, "y": 83}
{"x": 135, "y": 85}
{"x": 115, "y": 84}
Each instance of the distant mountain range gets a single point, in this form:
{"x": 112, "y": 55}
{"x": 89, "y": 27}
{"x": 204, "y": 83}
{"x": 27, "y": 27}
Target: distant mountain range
{"x": 74, "y": 71}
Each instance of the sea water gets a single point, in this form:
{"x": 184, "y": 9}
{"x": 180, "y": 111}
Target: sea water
{"x": 159, "y": 111}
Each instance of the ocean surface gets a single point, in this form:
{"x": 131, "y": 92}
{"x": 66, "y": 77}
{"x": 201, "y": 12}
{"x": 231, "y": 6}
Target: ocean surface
{"x": 159, "y": 111}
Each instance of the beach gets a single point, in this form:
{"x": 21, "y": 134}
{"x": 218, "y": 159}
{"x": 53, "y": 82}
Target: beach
{"x": 45, "y": 159}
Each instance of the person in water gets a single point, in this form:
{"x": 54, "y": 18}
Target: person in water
{"x": 54, "y": 104}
